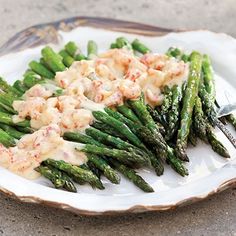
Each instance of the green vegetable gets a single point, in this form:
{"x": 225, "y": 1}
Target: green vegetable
{"x": 190, "y": 95}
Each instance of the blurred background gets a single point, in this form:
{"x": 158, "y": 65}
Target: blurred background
{"x": 215, "y": 216}
{"x": 216, "y": 15}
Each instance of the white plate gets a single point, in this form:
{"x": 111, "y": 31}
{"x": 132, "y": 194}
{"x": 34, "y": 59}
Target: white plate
{"x": 209, "y": 173}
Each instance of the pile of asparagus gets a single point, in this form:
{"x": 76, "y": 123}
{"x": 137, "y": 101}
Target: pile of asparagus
{"x": 130, "y": 136}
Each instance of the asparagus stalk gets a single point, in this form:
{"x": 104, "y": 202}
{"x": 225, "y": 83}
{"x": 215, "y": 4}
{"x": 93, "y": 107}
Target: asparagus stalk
{"x": 81, "y": 138}
{"x": 216, "y": 145}
{"x": 6, "y": 139}
{"x": 25, "y": 130}
{"x": 52, "y": 59}
{"x": 166, "y": 104}
{"x": 128, "y": 113}
{"x": 207, "y": 89}
{"x": 18, "y": 84}
{"x": 94, "y": 169}
{"x": 192, "y": 137}
{"x": 199, "y": 122}
{"x": 174, "y": 52}
{"x": 208, "y": 77}
{"x": 131, "y": 157}
{"x": 31, "y": 78}
{"x": 175, "y": 163}
{"x": 67, "y": 59}
{"x": 140, "y": 47}
{"x": 145, "y": 117}
{"x": 108, "y": 129}
{"x": 132, "y": 176}
{"x": 102, "y": 165}
{"x": 11, "y": 131}
{"x": 113, "y": 45}
{"x": 40, "y": 69}
{"x": 173, "y": 117}
{"x": 71, "y": 48}
{"x": 120, "y": 144}
{"x": 188, "y": 104}
{"x": 6, "y": 101}
{"x": 156, "y": 116}
{"x": 123, "y": 42}
{"x": 4, "y": 86}
{"x": 108, "y": 139}
{"x": 77, "y": 173}
{"x": 232, "y": 119}
{"x": 92, "y": 49}
{"x": 58, "y": 178}
{"x": 119, "y": 126}
{"x": 7, "y": 119}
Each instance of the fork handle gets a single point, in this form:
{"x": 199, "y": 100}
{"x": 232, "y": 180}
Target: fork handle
{"x": 226, "y": 132}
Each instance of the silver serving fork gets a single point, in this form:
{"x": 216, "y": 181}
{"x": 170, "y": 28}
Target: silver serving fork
{"x": 224, "y": 110}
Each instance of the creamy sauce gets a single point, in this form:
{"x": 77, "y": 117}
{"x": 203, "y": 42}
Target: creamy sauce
{"x": 106, "y": 80}
{"x": 34, "y": 148}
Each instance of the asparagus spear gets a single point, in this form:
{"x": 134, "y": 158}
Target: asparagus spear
{"x": 71, "y": 48}
{"x": 6, "y": 101}
{"x": 120, "y": 144}
{"x": 207, "y": 90}
{"x": 67, "y": 59}
{"x": 208, "y": 77}
{"x": 2, "y": 109}
{"x": 174, "y": 52}
{"x": 156, "y": 116}
{"x": 11, "y": 131}
{"x": 166, "y": 104}
{"x": 6, "y": 139}
{"x": 175, "y": 163}
{"x": 18, "y": 84}
{"x": 119, "y": 126}
{"x": 101, "y": 164}
{"x": 199, "y": 122}
{"x": 94, "y": 169}
{"x": 108, "y": 129}
{"x": 25, "y": 130}
{"x": 188, "y": 104}
{"x": 192, "y": 137}
{"x": 108, "y": 139}
{"x": 113, "y": 45}
{"x": 140, "y": 109}
{"x": 4, "y": 86}
{"x": 118, "y": 116}
{"x": 92, "y": 49}
{"x": 128, "y": 113}
{"x": 7, "y": 119}
{"x": 140, "y": 47}
{"x": 131, "y": 157}
{"x": 52, "y": 59}
{"x": 185, "y": 58}
{"x": 81, "y": 138}
{"x": 41, "y": 70}
{"x": 133, "y": 176}
{"x": 173, "y": 117}
{"x": 232, "y": 119}
{"x": 80, "y": 57}
{"x": 216, "y": 145}
{"x": 31, "y": 78}
{"x": 58, "y": 178}
{"x": 77, "y": 173}
{"x": 123, "y": 42}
